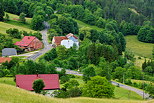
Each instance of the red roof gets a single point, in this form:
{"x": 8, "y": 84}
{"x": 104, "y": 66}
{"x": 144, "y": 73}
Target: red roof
{"x": 51, "y": 81}
{"x": 70, "y": 34}
{"x": 25, "y": 41}
{"x": 4, "y": 59}
{"x": 58, "y": 39}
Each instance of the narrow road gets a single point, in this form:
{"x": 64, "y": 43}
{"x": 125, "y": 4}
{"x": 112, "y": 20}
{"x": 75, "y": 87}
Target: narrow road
{"x": 138, "y": 91}
{"x": 46, "y": 48}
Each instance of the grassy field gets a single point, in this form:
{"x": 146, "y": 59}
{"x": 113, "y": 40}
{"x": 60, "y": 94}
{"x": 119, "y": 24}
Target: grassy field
{"x": 14, "y": 23}
{"x": 139, "y": 48}
{"x": 13, "y": 17}
{"x": 6, "y": 26}
{"x": 11, "y": 94}
{"x": 7, "y": 80}
{"x": 82, "y": 24}
{"x": 120, "y": 93}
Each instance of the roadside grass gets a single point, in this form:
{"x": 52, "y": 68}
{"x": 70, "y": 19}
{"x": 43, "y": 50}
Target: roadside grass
{"x": 120, "y": 93}
{"x": 139, "y": 48}
{"x": 11, "y": 94}
{"x": 141, "y": 81}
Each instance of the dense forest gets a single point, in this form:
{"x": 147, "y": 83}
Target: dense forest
{"x": 129, "y": 17}
{"x": 101, "y": 52}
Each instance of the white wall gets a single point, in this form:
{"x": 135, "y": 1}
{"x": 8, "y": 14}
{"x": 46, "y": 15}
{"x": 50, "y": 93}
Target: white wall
{"x": 69, "y": 43}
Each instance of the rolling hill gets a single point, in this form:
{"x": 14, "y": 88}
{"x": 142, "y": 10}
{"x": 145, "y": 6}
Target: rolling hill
{"x": 11, "y": 94}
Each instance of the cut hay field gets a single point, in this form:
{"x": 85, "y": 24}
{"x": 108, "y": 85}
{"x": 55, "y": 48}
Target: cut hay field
{"x": 11, "y": 94}
{"x": 139, "y": 48}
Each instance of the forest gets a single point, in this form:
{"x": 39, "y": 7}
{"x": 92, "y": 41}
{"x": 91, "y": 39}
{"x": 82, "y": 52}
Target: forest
{"x": 102, "y": 54}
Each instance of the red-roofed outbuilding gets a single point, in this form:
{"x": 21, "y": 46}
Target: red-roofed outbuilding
{"x": 29, "y": 43}
{"x": 51, "y": 81}
{"x": 5, "y": 59}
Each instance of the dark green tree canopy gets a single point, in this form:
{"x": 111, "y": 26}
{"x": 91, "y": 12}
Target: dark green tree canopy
{"x": 98, "y": 87}
{"x": 38, "y": 85}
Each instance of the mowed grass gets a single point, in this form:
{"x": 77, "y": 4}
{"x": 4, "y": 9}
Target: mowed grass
{"x": 14, "y": 23}
{"x": 139, "y": 48}
{"x": 5, "y": 26}
{"x": 121, "y": 93}
{"x": 15, "y": 17}
{"x": 11, "y": 94}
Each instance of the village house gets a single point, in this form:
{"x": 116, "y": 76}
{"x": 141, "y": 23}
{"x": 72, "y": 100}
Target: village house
{"x": 29, "y": 43}
{"x": 51, "y": 81}
{"x": 68, "y": 41}
{"x": 5, "y": 59}
{"x": 9, "y": 52}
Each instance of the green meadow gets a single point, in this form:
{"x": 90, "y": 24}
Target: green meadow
{"x": 139, "y": 48}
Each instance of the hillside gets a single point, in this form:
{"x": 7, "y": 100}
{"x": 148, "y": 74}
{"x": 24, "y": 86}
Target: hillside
{"x": 139, "y": 48}
{"x": 18, "y": 95}
{"x": 14, "y": 23}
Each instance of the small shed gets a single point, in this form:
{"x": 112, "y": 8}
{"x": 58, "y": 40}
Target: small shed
{"x": 9, "y": 52}
{"x": 5, "y": 59}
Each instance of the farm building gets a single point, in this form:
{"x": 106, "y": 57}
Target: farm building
{"x": 68, "y": 41}
{"x": 51, "y": 81}
{"x": 9, "y": 52}
{"x": 29, "y": 43}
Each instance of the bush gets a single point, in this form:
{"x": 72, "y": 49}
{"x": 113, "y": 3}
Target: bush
{"x": 64, "y": 79}
{"x": 61, "y": 94}
{"x": 38, "y": 85}
{"x": 98, "y": 87}
{"x": 128, "y": 82}
{"x": 14, "y": 33}
{"x": 75, "y": 92}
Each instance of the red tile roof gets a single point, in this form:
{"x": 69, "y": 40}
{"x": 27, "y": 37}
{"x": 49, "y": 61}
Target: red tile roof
{"x": 51, "y": 81}
{"x": 4, "y": 59}
{"x": 25, "y": 41}
{"x": 58, "y": 39}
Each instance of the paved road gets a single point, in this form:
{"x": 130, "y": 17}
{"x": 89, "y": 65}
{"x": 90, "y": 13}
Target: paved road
{"x": 46, "y": 48}
{"x": 138, "y": 91}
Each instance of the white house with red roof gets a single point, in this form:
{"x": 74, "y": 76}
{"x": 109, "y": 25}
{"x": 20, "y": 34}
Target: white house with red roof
{"x": 68, "y": 41}
{"x": 29, "y": 43}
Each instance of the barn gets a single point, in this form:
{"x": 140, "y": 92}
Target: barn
{"x": 29, "y": 43}
{"x": 51, "y": 81}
